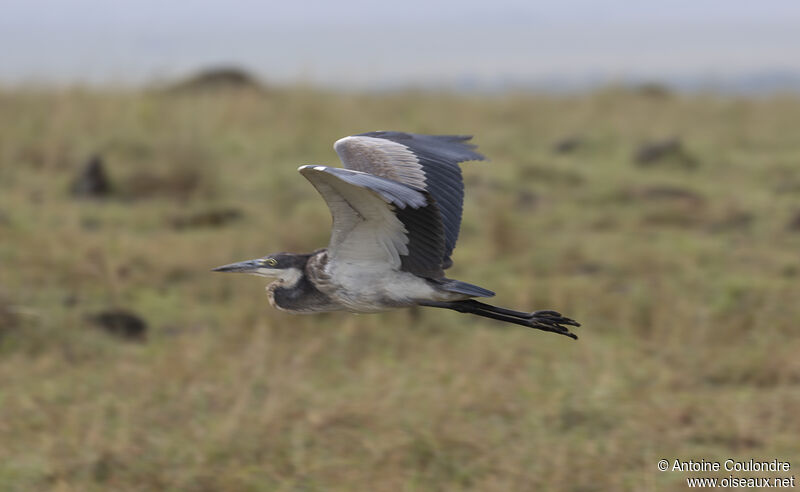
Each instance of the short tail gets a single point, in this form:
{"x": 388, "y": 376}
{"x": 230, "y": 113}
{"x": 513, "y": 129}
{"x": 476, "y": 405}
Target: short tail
{"x": 460, "y": 287}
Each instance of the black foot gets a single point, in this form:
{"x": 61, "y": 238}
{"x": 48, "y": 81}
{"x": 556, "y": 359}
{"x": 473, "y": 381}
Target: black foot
{"x": 552, "y": 321}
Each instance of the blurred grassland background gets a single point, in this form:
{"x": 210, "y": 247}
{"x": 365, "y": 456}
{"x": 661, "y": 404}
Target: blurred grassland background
{"x": 685, "y": 274}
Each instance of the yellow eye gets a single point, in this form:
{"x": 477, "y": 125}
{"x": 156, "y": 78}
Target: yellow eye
{"x": 271, "y": 261}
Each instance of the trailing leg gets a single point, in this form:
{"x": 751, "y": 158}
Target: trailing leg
{"x": 541, "y": 320}
{"x": 521, "y": 314}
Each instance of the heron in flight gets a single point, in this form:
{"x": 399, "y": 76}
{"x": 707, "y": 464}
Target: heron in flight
{"x": 396, "y": 209}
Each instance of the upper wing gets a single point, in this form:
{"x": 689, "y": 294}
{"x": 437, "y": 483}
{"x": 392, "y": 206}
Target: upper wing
{"x": 380, "y": 221}
{"x": 426, "y": 162}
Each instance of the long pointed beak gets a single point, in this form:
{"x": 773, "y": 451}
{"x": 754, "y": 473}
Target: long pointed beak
{"x": 249, "y": 266}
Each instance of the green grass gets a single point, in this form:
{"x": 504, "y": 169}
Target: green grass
{"x": 688, "y": 300}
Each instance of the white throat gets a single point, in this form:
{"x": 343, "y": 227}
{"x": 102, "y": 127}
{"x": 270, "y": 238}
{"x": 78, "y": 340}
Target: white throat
{"x": 288, "y": 276}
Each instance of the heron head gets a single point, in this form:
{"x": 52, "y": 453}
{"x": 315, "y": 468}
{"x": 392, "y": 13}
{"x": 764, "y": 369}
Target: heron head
{"x": 285, "y": 266}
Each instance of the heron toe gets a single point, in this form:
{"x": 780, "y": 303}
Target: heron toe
{"x": 553, "y": 316}
{"x": 543, "y": 320}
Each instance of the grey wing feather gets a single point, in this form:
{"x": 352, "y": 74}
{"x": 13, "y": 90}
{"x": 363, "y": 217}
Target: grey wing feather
{"x": 428, "y": 162}
{"x": 380, "y": 221}
{"x": 392, "y": 192}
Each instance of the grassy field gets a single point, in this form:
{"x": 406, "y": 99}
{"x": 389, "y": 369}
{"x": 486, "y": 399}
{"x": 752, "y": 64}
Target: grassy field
{"x": 685, "y": 274}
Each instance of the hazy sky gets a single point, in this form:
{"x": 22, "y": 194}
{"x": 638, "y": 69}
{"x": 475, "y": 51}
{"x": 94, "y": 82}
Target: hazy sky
{"x": 364, "y": 43}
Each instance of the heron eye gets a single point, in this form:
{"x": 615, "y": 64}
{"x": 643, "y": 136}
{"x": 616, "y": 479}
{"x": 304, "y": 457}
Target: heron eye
{"x": 271, "y": 261}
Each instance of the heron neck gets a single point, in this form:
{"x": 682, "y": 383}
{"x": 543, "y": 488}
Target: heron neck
{"x": 298, "y": 294}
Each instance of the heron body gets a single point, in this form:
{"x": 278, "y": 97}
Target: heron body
{"x": 396, "y": 209}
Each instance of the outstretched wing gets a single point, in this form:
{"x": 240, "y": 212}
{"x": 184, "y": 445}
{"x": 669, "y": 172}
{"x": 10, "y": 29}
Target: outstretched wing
{"x": 425, "y": 162}
{"x": 380, "y": 222}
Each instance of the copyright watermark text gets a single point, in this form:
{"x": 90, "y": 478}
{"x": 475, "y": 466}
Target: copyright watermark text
{"x": 743, "y": 473}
